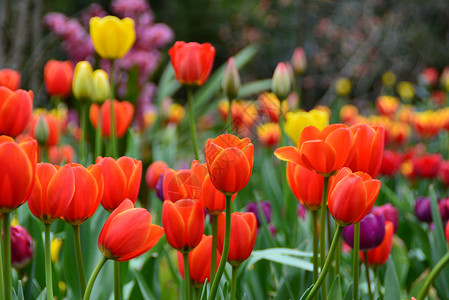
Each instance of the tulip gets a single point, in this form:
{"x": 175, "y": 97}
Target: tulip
{"x": 58, "y": 78}
{"x": 269, "y": 106}
{"x": 21, "y": 247}
{"x": 299, "y": 61}
{"x": 351, "y": 196}
{"x": 231, "y": 80}
{"x": 389, "y": 212}
{"x": 230, "y": 162}
{"x": 447, "y": 232}
{"x": 349, "y": 114}
{"x": 121, "y": 180}
{"x": 15, "y": 110}
{"x": 388, "y": 78}
{"x": 61, "y": 154}
{"x": 306, "y": 185}
{"x": 199, "y": 262}
{"x": 243, "y": 236}
{"x": 55, "y": 249}
{"x": 423, "y": 210}
{"x": 176, "y": 113}
{"x": 212, "y": 200}
{"x": 426, "y": 166}
{"x": 159, "y": 188}
{"x": 52, "y": 192}
{"x": 443, "y": 206}
{"x": 183, "y": 222}
{"x": 387, "y": 105}
{"x": 101, "y": 88}
{"x": 429, "y": 77}
{"x": 10, "y": 79}
{"x": 82, "y": 84}
{"x": 343, "y": 87}
{"x": 112, "y": 38}
{"x": 295, "y": 122}
{"x": 124, "y": 112}
{"x": 269, "y": 134}
{"x": 154, "y": 172}
{"x": 324, "y": 152}
{"x": 18, "y": 163}
{"x": 391, "y": 163}
{"x": 372, "y": 232}
{"x": 281, "y": 83}
{"x": 184, "y": 184}
{"x": 243, "y": 113}
{"x": 265, "y": 207}
{"x": 379, "y": 255}
{"x": 369, "y": 149}
{"x": 192, "y": 62}
{"x": 52, "y": 123}
{"x": 40, "y": 132}
{"x": 405, "y": 90}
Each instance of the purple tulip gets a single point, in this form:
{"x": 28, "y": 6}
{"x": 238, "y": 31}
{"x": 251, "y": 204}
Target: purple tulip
{"x": 423, "y": 209}
{"x": 372, "y": 232}
{"x": 21, "y": 247}
{"x": 159, "y": 187}
{"x": 443, "y": 205}
{"x": 389, "y": 212}
{"x": 266, "y": 208}
{"x": 302, "y": 211}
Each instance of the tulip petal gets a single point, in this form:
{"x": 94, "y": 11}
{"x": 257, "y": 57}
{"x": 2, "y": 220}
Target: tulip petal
{"x": 341, "y": 140}
{"x": 319, "y": 156}
{"x": 308, "y": 134}
{"x": 288, "y": 153}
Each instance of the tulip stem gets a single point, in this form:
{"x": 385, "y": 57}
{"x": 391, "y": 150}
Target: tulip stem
{"x": 79, "y": 258}
{"x": 368, "y": 281}
{"x": 337, "y": 256}
{"x": 234, "y": 282}
{"x": 186, "y": 276}
{"x": 327, "y": 264}
{"x": 48, "y": 277}
{"x": 315, "y": 244}
{"x": 2, "y": 289}
{"x": 112, "y": 112}
{"x": 355, "y": 264}
{"x": 192, "y": 123}
{"x": 378, "y": 283}
{"x": 432, "y": 275}
{"x": 323, "y": 233}
{"x": 92, "y": 278}
{"x": 213, "y": 263}
{"x": 229, "y": 118}
{"x": 98, "y": 141}
{"x": 117, "y": 280}
{"x": 7, "y": 255}
{"x": 84, "y": 107}
{"x": 225, "y": 252}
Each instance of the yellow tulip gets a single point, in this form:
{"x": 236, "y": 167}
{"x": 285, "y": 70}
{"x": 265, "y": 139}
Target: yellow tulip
{"x": 55, "y": 248}
{"x": 112, "y": 37}
{"x": 343, "y": 86}
{"x": 406, "y": 90}
{"x": 82, "y": 84}
{"x": 297, "y": 121}
{"x": 101, "y": 86}
{"x": 388, "y": 78}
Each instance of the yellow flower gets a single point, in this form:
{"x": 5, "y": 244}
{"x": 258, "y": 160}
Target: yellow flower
{"x": 297, "y": 121}
{"x": 112, "y": 37}
{"x": 82, "y": 84}
{"x": 388, "y": 78}
{"x": 343, "y": 86}
{"x": 62, "y": 286}
{"x": 406, "y": 90}
{"x": 55, "y": 248}
{"x": 101, "y": 86}
{"x": 14, "y": 221}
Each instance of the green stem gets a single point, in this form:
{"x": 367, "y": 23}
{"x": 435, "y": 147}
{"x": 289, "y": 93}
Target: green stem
{"x": 44, "y": 154}
{"x": 79, "y": 258}
{"x": 315, "y": 244}
{"x": 234, "y": 282}
{"x": 432, "y": 276}
{"x": 84, "y": 107}
{"x": 337, "y": 257}
{"x": 368, "y": 281}
{"x": 92, "y": 278}
{"x": 112, "y": 112}
{"x": 281, "y": 124}
{"x": 327, "y": 264}
{"x": 229, "y": 118}
{"x": 7, "y": 276}
{"x": 323, "y": 232}
{"x": 213, "y": 263}
{"x": 2, "y": 289}
{"x": 98, "y": 141}
{"x": 378, "y": 283}
{"x": 197, "y": 292}
{"x": 186, "y": 276}
{"x": 355, "y": 265}
{"x": 117, "y": 287}
{"x": 48, "y": 278}
{"x": 192, "y": 123}
{"x": 225, "y": 252}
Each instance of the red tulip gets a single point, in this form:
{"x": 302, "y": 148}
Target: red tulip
{"x": 18, "y": 163}
{"x": 351, "y": 196}
{"x": 124, "y": 113}
{"x": 391, "y": 163}
{"x": 212, "y": 199}
{"x": 426, "y": 166}
{"x": 183, "y": 222}
{"x": 58, "y": 78}
{"x": 10, "y": 79}
{"x": 121, "y": 180}
{"x": 61, "y": 154}
{"x": 379, "y": 255}
{"x": 15, "y": 110}
{"x": 52, "y": 192}
{"x": 21, "y": 247}
{"x": 184, "y": 184}
{"x": 306, "y": 185}
{"x": 154, "y": 172}
{"x": 230, "y": 162}
{"x": 199, "y": 262}
{"x": 128, "y": 233}
{"x": 192, "y": 62}
{"x": 88, "y": 192}
{"x": 243, "y": 236}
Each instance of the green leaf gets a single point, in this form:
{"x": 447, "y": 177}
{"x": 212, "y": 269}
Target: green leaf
{"x": 307, "y": 292}
{"x": 145, "y": 290}
{"x": 254, "y": 87}
{"x": 400, "y": 256}
{"x": 348, "y": 294}
{"x": 168, "y": 85}
{"x": 283, "y": 256}
{"x": 335, "y": 290}
{"x": 20, "y": 291}
{"x": 392, "y": 286}
{"x": 42, "y": 295}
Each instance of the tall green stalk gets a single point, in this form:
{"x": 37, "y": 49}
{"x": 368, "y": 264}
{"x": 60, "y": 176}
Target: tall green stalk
{"x": 213, "y": 263}
{"x": 84, "y": 107}
{"x": 7, "y": 276}
{"x": 112, "y": 114}
{"x": 225, "y": 252}
{"x": 117, "y": 287}
{"x": 192, "y": 123}
{"x": 432, "y": 275}
{"x": 48, "y": 277}
{"x": 234, "y": 282}
{"x": 323, "y": 232}
{"x": 355, "y": 265}
{"x": 79, "y": 258}
{"x": 315, "y": 244}
{"x": 365, "y": 256}
{"x": 98, "y": 140}
{"x": 229, "y": 118}
{"x": 92, "y": 278}
{"x": 186, "y": 276}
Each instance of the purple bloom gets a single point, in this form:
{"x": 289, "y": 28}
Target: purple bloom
{"x": 302, "y": 211}
{"x": 93, "y": 10}
{"x": 266, "y": 208}
{"x": 159, "y": 188}
{"x": 372, "y": 232}
{"x": 21, "y": 247}
{"x": 443, "y": 205}
{"x": 154, "y": 36}
{"x": 423, "y": 209}
{"x": 129, "y": 8}
{"x": 389, "y": 212}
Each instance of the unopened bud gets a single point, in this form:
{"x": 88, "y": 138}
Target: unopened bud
{"x": 281, "y": 82}
{"x": 299, "y": 61}
{"x": 101, "y": 88}
{"x": 231, "y": 80}
{"x": 82, "y": 84}
{"x": 41, "y": 130}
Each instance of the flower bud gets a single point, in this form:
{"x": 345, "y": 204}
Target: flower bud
{"x": 423, "y": 209}
{"x": 231, "y": 80}
{"x": 372, "y": 232}
{"x": 281, "y": 83}
{"x": 343, "y": 87}
{"x": 389, "y": 212}
{"x": 41, "y": 131}
{"x": 299, "y": 61}
{"x": 101, "y": 88}
{"x": 82, "y": 84}
{"x": 21, "y": 247}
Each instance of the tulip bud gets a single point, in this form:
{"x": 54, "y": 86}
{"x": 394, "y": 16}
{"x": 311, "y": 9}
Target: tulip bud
{"x": 343, "y": 86}
{"x": 101, "y": 88}
{"x": 281, "y": 82}
{"x": 423, "y": 209}
{"x": 41, "y": 131}
{"x": 21, "y": 247}
{"x": 372, "y": 232}
{"x": 389, "y": 212}
{"x": 82, "y": 84}
{"x": 299, "y": 61}
{"x": 231, "y": 80}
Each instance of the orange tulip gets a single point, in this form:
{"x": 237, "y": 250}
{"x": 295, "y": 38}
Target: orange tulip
{"x": 230, "y": 162}
{"x": 128, "y": 233}
{"x": 324, "y": 152}
{"x": 369, "y": 149}
{"x": 121, "y": 180}
{"x": 183, "y": 222}
{"x": 306, "y": 185}
{"x": 15, "y": 110}
{"x": 212, "y": 199}
{"x": 243, "y": 236}
{"x": 269, "y": 134}
{"x": 154, "y": 172}
{"x": 52, "y": 192}
{"x": 10, "y": 79}
{"x": 18, "y": 163}
{"x": 192, "y": 62}
{"x": 54, "y": 125}
{"x": 379, "y": 255}
{"x": 199, "y": 262}
{"x": 124, "y": 112}
{"x": 58, "y": 78}
{"x": 184, "y": 184}
{"x": 351, "y": 196}
{"x": 88, "y": 191}
{"x": 61, "y": 154}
